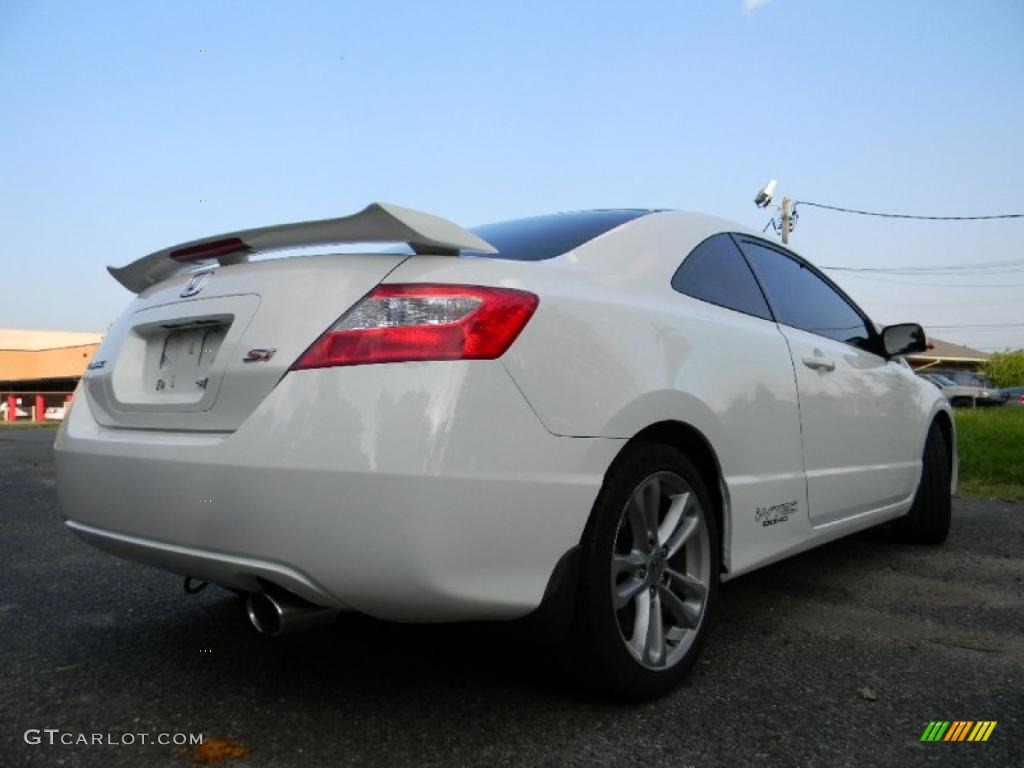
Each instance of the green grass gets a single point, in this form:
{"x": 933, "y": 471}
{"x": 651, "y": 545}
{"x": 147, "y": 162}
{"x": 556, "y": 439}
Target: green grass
{"x": 991, "y": 444}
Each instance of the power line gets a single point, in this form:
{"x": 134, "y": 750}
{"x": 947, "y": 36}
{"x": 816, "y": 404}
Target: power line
{"x": 930, "y": 285}
{"x": 984, "y": 267}
{"x": 943, "y": 305}
{"x": 907, "y": 215}
{"x": 990, "y": 326}
{"x": 981, "y": 272}
{"x": 1011, "y": 334}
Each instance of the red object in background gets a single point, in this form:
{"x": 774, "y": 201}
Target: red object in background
{"x": 40, "y": 408}
{"x": 12, "y": 407}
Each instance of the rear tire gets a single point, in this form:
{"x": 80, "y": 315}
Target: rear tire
{"x": 648, "y": 575}
{"x": 929, "y": 516}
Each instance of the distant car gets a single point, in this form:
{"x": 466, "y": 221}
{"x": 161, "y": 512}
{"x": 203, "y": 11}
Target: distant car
{"x": 1013, "y": 397}
{"x": 18, "y": 412}
{"x": 54, "y": 413}
{"x": 985, "y": 393}
{"x": 958, "y": 396}
{"x": 965, "y": 378}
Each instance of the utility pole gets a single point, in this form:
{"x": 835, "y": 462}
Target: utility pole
{"x": 786, "y": 221}
{"x": 764, "y": 199}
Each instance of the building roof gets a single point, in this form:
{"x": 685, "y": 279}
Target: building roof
{"x": 947, "y": 350}
{"x": 34, "y": 341}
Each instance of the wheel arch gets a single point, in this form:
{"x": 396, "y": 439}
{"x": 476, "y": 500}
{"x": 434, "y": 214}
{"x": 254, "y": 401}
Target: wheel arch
{"x": 698, "y": 449}
{"x": 944, "y": 420}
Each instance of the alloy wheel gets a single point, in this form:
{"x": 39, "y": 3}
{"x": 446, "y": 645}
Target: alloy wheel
{"x": 660, "y": 570}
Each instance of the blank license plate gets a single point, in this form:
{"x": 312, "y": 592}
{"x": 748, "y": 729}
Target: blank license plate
{"x": 186, "y": 357}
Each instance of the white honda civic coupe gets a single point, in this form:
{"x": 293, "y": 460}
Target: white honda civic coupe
{"x": 591, "y": 417}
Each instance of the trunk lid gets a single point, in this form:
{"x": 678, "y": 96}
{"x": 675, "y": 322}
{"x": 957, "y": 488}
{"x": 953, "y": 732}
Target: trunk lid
{"x": 199, "y": 351}
{"x": 202, "y": 360}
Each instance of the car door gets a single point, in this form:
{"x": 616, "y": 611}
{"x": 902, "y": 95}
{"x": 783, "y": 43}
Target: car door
{"x": 857, "y": 409}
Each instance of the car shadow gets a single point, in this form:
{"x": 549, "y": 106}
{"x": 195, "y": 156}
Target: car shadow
{"x": 207, "y": 642}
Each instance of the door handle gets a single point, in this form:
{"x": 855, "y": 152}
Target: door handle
{"x": 819, "y": 363}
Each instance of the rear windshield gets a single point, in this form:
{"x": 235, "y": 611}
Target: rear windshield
{"x": 544, "y": 237}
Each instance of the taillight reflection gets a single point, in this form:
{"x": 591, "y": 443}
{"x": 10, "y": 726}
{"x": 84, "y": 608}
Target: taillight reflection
{"x": 398, "y": 323}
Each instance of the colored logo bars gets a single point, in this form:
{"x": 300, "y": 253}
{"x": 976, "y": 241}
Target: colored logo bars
{"x": 958, "y": 730}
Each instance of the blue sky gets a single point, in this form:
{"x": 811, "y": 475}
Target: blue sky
{"x": 117, "y": 123}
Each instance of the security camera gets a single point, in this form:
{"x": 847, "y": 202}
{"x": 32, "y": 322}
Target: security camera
{"x": 764, "y": 197}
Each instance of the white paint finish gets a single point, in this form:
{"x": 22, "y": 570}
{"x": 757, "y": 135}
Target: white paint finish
{"x": 862, "y": 419}
{"x": 803, "y": 537}
{"x": 122, "y": 383}
{"x": 436, "y": 491}
{"x": 241, "y": 573}
{"x": 377, "y": 223}
{"x": 613, "y": 349}
{"x": 280, "y": 304}
{"x": 431, "y": 492}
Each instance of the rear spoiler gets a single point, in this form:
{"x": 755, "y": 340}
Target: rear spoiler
{"x": 376, "y": 223}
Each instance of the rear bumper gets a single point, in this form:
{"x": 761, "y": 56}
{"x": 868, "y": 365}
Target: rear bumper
{"x": 426, "y": 491}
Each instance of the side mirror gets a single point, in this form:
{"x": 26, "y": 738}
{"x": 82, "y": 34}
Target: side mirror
{"x": 903, "y": 339}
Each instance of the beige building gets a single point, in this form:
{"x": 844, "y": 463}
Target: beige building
{"x": 40, "y": 369}
{"x": 946, "y": 354}
{"x": 36, "y": 356}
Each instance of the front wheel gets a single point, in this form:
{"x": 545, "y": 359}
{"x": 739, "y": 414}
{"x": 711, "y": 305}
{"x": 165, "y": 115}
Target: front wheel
{"x": 929, "y": 517}
{"x": 649, "y": 565}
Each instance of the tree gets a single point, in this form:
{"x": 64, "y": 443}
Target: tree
{"x": 1006, "y": 369}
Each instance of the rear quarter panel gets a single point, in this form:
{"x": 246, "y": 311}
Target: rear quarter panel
{"x": 613, "y": 349}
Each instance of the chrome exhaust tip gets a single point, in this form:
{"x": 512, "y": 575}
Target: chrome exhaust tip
{"x": 279, "y": 613}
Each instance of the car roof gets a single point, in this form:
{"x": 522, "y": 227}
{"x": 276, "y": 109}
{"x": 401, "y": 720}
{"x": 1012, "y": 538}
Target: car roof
{"x": 536, "y": 238}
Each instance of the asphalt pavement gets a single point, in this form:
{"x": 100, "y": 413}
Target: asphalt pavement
{"x": 841, "y": 656}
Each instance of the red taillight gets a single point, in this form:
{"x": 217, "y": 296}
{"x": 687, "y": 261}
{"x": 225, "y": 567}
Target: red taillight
{"x": 1021, "y": 399}
{"x": 396, "y": 323}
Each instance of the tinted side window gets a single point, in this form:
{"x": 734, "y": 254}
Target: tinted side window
{"x": 802, "y": 299}
{"x": 715, "y": 271}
